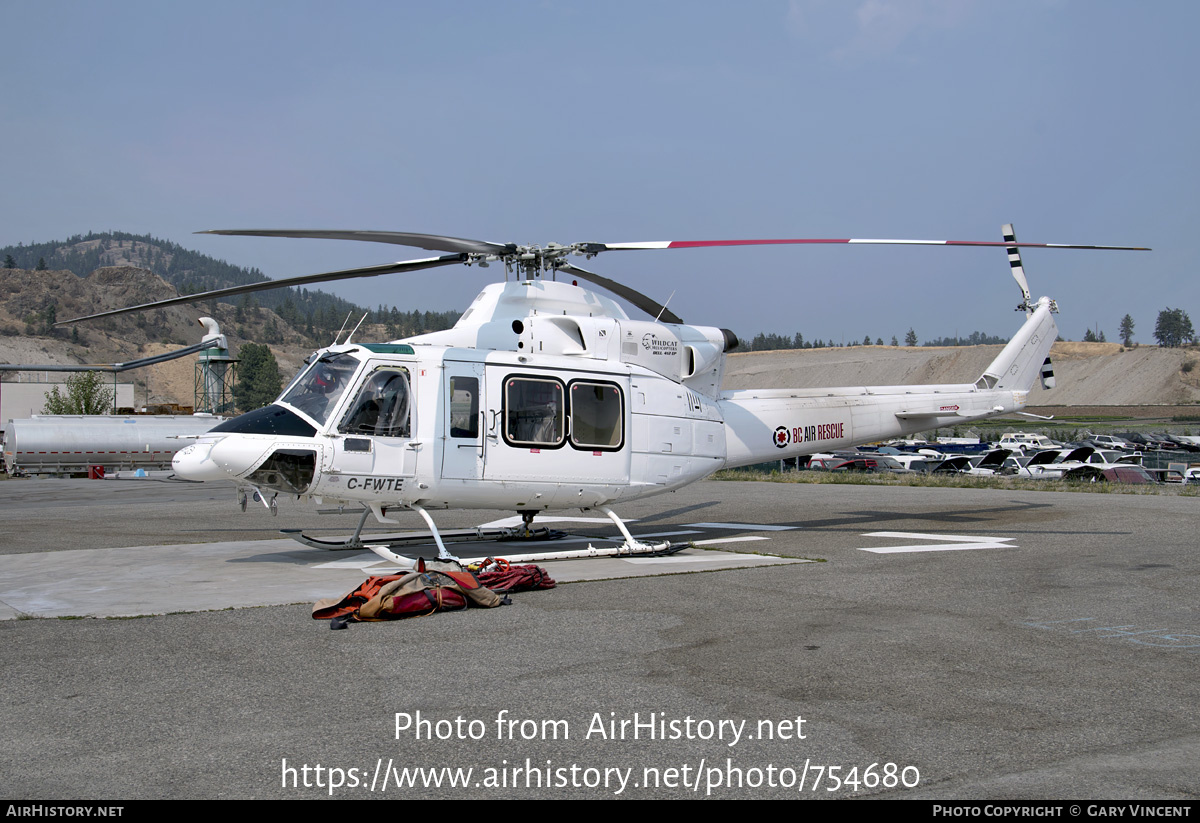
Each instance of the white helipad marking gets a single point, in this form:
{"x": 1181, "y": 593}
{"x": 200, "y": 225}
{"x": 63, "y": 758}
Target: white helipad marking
{"x": 955, "y": 542}
{"x": 357, "y": 561}
{"x": 721, "y": 541}
{"x": 751, "y": 527}
{"x": 354, "y": 561}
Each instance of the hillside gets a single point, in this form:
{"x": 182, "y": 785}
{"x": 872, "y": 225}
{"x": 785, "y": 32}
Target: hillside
{"x": 188, "y": 271}
{"x": 312, "y": 313}
{"x": 30, "y": 302}
{"x": 90, "y": 273}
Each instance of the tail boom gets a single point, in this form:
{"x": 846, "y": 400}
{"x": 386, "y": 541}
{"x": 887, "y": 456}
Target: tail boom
{"x": 765, "y": 425}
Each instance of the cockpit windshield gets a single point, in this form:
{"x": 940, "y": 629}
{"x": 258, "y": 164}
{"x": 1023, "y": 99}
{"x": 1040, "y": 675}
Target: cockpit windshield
{"x": 318, "y": 390}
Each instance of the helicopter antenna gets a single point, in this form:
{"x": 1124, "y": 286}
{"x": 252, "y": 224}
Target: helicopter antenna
{"x": 360, "y": 322}
{"x": 664, "y": 307}
{"x": 343, "y": 328}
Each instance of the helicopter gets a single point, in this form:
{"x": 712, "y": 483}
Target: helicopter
{"x": 547, "y": 396}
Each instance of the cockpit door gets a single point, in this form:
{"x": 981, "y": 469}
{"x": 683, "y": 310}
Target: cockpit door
{"x": 374, "y": 433}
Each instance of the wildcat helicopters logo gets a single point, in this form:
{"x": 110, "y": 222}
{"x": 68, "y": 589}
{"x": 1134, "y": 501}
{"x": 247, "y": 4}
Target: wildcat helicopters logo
{"x": 652, "y": 344}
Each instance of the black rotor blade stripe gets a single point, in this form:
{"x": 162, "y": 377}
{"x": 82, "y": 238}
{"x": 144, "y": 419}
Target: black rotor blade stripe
{"x": 433, "y": 242}
{"x": 647, "y": 304}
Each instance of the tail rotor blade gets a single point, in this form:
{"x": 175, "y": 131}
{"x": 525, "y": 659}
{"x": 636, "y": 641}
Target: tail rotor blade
{"x": 1014, "y": 260}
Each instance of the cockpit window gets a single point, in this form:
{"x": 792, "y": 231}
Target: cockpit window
{"x": 318, "y": 390}
{"x": 382, "y": 407}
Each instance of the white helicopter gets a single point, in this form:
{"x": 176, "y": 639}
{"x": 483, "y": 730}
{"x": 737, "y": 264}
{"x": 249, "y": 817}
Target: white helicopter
{"x": 547, "y": 396}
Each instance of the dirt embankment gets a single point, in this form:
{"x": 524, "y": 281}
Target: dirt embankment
{"x": 1088, "y": 374}
{"x": 31, "y": 300}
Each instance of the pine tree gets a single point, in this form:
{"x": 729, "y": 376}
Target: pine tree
{"x": 49, "y": 316}
{"x": 1174, "y": 328}
{"x": 910, "y": 339}
{"x": 1127, "y": 330}
{"x": 259, "y": 380}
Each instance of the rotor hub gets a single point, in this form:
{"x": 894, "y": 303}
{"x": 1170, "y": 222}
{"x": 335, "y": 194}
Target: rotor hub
{"x": 531, "y": 261}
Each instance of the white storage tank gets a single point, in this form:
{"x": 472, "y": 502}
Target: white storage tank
{"x": 70, "y": 443}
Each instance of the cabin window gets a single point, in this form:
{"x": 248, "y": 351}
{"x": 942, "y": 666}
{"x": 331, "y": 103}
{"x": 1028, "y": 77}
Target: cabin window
{"x": 318, "y": 390}
{"x": 382, "y": 407}
{"x": 464, "y": 407}
{"x": 597, "y": 415}
{"x": 534, "y": 412}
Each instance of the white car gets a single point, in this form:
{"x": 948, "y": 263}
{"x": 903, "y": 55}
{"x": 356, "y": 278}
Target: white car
{"x": 1026, "y": 443}
{"x": 1108, "y": 441}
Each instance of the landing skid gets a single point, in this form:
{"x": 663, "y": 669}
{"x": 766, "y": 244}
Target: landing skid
{"x": 384, "y": 548}
{"x": 422, "y": 538}
{"x": 643, "y": 550}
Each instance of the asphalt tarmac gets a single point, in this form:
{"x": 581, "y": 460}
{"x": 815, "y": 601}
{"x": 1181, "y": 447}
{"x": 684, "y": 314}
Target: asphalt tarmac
{"x": 950, "y": 643}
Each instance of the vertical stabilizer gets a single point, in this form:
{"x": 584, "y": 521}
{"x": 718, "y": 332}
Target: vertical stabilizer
{"x": 1020, "y": 363}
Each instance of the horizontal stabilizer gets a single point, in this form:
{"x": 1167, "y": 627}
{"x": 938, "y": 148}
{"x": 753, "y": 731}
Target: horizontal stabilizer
{"x": 929, "y": 415}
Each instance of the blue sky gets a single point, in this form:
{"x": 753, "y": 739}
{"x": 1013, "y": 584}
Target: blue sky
{"x": 548, "y": 121}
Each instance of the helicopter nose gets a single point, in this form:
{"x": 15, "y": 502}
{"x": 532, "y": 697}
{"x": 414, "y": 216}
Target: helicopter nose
{"x": 237, "y": 455}
{"x": 194, "y": 463}
{"x": 229, "y": 458}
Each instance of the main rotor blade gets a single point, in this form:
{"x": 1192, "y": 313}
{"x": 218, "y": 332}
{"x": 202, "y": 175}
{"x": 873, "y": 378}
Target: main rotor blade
{"x": 596, "y": 248}
{"x": 433, "y": 242}
{"x": 302, "y": 280}
{"x": 648, "y": 305}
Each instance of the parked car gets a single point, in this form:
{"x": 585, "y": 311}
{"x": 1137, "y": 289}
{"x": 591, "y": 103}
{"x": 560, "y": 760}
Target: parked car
{"x": 1109, "y": 441}
{"x": 1115, "y": 474}
{"x": 1026, "y": 443}
{"x": 857, "y": 464}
